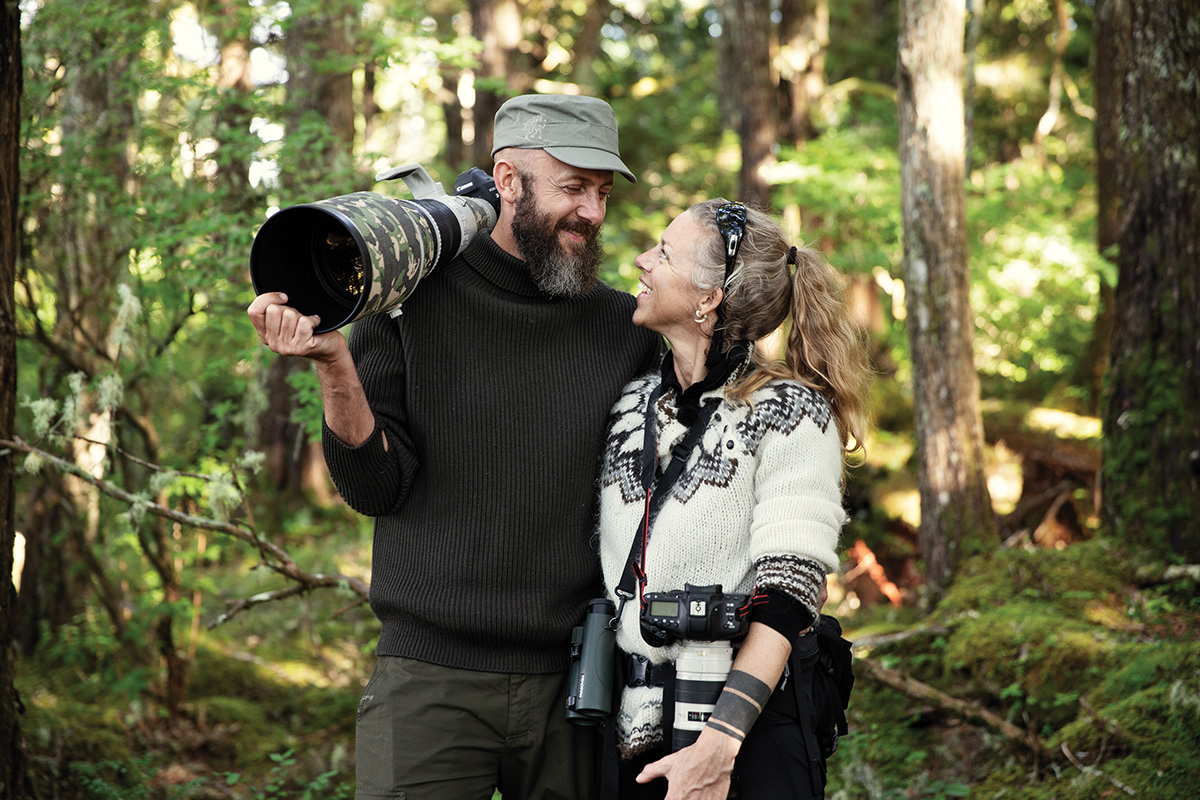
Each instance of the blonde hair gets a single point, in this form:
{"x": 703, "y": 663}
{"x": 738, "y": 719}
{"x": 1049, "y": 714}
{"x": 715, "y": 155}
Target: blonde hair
{"x": 825, "y": 349}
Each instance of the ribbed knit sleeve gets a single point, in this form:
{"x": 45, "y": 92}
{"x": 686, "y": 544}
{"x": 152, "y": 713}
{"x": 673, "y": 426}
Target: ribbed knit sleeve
{"x": 373, "y": 479}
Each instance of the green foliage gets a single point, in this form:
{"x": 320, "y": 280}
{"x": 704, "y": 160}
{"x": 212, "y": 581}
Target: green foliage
{"x": 279, "y": 783}
{"x": 309, "y": 410}
{"x": 1035, "y": 278}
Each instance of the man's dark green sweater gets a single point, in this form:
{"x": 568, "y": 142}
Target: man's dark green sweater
{"x": 494, "y": 398}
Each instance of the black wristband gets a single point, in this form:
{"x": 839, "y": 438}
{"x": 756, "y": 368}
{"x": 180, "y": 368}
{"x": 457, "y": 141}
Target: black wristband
{"x": 739, "y": 705}
{"x": 783, "y": 614}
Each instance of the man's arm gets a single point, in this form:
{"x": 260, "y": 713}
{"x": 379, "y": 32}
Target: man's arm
{"x": 289, "y": 333}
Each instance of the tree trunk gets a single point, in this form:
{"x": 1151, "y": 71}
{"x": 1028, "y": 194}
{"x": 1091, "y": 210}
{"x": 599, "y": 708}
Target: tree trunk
{"x": 749, "y": 26}
{"x": 495, "y": 23}
{"x": 1057, "y": 78}
{"x": 1151, "y": 472}
{"x": 974, "y": 30}
{"x": 13, "y": 776}
{"x": 320, "y": 47}
{"x": 237, "y": 145}
{"x": 587, "y": 44}
{"x": 803, "y": 40}
{"x": 1109, "y": 87}
{"x": 956, "y": 511}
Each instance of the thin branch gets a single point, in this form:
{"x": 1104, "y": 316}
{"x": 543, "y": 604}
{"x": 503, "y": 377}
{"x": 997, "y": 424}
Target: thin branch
{"x": 1086, "y": 770}
{"x": 1171, "y": 574}
{"x": 274, "y": 557}
{"x": 963, "y": 709}
{"x": 864, "y": 642}
{"x": 141, "y": 461}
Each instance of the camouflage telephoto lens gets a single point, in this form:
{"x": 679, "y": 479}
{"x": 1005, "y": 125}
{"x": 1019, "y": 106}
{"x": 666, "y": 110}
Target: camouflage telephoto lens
{"x": 359, "y": 254}
{"x": 338, "y": 262}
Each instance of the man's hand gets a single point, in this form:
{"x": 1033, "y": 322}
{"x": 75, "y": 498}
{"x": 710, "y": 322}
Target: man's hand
{"x": 290, "y": 333}
{"x": 700, "y": 771}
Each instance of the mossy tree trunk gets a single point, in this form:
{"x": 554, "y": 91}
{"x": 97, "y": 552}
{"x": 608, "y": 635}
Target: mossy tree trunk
{"x": 956, "y": 510}
{"x": 12, "y": 755}
{"x": 1151, "y": 469}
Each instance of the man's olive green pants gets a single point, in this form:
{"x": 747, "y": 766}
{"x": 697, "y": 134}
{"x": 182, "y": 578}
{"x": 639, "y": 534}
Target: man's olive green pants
{"x": 427, "y": 732}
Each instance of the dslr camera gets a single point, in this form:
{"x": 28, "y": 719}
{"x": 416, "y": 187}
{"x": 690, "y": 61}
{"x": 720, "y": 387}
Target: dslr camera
{"x": 694, "y": 613}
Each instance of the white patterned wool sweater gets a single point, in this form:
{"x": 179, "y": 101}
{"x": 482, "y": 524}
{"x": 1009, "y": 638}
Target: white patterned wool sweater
{"x": 758, "y": 505}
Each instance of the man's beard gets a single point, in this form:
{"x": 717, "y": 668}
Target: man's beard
{"x": 558, "y": 270}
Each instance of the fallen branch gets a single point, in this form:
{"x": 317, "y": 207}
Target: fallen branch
{"x": 274, "y": 557}
{"x": 1086, "y": 770}
{"x": 880, "y": 639}
{"x": 1173, "y": 573}
{"x": 963, "y": 709}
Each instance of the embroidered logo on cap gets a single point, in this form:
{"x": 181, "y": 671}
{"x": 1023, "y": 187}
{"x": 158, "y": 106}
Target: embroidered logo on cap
{"x": 533, "y": 128}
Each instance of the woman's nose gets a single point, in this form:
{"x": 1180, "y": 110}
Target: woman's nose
{"x": 643, "y": 260}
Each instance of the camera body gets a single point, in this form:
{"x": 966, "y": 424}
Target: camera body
{"x": 694, "y": 613}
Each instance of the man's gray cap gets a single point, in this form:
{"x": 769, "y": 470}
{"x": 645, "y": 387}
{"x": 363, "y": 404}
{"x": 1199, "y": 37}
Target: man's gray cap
{"x": 579, "y": 131}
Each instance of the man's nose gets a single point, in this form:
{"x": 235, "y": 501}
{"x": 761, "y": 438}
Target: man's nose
{"x": 592, "y": 208}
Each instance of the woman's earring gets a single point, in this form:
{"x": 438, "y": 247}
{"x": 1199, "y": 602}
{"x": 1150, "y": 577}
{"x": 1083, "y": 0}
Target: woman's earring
{"x": 701, "y": 318}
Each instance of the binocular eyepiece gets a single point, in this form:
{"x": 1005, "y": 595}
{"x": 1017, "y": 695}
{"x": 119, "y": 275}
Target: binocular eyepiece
{"x": 361, "y": 254}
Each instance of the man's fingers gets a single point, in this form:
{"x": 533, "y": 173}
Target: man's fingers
{"x": 264, "y": 300}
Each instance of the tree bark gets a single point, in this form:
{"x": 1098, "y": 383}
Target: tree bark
{"x": 1106, "y": 131}
{"x": 956, "y": 511}
{"x": 13, "y": 774}
{"x": 1057, "y": 78}
{"x": 749, "y": 25}
{"x": 319, "y": 47}
{"x": 587, "y": 43}
{"x": 803, "y": 40}
{"x": 230, "y": 25}
{"x": 496, "y": 24}
{"x": 1151, "y": 469}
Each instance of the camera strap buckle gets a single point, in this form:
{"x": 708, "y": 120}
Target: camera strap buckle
{"x": 641, "y": 672}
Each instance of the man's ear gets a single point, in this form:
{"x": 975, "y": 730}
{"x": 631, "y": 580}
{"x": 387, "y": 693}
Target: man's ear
{"x": 508, "y": 182}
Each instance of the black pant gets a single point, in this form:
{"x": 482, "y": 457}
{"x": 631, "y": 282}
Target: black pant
{"x": 779, "y": 759}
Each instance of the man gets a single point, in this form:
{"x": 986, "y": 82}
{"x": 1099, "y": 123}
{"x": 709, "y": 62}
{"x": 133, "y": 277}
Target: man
{"x": 470, "y": 428}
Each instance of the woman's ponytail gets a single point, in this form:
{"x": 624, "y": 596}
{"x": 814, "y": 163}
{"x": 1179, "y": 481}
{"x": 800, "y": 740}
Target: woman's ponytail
{"x": 824, "y": 350}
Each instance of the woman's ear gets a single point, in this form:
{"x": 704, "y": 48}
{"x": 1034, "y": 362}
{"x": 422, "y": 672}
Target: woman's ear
{"x": 710, "y": 301}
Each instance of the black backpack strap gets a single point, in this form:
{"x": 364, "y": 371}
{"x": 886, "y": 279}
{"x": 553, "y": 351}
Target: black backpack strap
{"x": 633, "y": 575}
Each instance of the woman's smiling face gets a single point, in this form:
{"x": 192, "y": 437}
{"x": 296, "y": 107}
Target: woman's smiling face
{"x": 667, "y": 299}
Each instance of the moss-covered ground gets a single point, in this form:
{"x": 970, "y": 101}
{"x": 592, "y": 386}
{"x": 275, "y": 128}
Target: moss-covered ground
{"x": 1101, "y": 676}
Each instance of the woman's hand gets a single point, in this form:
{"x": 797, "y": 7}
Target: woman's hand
{"x": 700, "y": 771}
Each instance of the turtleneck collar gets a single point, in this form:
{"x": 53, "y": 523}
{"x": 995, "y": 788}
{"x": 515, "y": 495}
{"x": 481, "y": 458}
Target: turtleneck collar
{"x": 719, "y": 371}
{"x": 500, "y": 267}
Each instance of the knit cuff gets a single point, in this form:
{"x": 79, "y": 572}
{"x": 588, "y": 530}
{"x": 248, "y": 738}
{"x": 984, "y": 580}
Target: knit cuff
{"x": 368, "y": 476}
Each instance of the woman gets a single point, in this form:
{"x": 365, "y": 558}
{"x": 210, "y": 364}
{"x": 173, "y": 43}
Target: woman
{"x": 754, "y": 504}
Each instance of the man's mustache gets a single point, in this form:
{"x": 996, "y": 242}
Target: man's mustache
{"x": 584, "y": 229}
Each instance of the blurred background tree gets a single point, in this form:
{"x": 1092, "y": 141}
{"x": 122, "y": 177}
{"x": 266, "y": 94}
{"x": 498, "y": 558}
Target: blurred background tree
{"x": 157, "y": 136}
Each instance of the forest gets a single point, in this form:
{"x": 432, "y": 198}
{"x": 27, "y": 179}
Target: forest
{"x": 1011, "y": 189}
